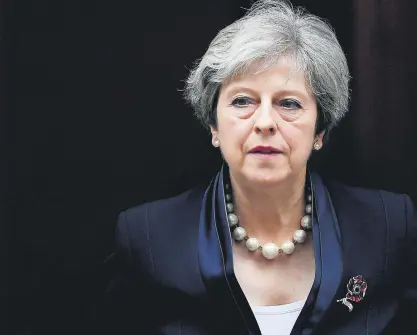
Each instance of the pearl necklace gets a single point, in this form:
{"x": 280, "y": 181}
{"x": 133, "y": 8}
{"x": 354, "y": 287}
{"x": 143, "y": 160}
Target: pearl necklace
{"x": 268, "y": 250}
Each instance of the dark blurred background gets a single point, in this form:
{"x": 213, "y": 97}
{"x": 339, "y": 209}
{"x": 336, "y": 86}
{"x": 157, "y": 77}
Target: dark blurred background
{"x": 92, "y": 122}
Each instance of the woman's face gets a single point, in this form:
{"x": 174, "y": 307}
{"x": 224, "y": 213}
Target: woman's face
{"x": 266, "y": 124}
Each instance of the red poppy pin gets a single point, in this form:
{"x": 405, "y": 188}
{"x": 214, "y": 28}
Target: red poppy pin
{"x": 356, "y": 291}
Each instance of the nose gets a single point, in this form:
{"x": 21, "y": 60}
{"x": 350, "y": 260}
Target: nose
{"x": 264, "y": 120}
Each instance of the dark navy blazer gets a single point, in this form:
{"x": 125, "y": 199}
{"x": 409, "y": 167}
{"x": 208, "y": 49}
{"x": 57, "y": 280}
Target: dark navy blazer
{"x": 175, "y": 266}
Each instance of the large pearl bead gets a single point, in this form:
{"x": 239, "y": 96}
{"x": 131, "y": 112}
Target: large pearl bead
{"x": 228, "y": 197}
{"x": 239, "y": 233}
{"x": 288, "y": 247}
{"x": 229, "y": 207}
{"x": 306, "y": 222}
{"x": 309, "y": 197}
{"x": 233, "y": 219}
{"x": 252, "y": 243}
{"x": 300, "y": 236}
{"x": 308, "y": 209}
{"x": 270, "y": 250}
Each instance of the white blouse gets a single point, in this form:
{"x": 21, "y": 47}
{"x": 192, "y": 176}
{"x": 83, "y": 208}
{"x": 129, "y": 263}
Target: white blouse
{"x": 277, "y": 320}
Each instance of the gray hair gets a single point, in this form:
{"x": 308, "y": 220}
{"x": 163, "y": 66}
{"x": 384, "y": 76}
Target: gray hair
{"x": 269, "y": 30}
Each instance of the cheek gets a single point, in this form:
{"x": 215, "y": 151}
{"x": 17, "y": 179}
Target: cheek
{"x": 233, "y": 137}
{"x": 233, "y": 132}
{"x": 300, "y": 139}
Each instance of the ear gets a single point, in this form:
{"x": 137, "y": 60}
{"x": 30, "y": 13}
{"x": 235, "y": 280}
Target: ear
{"x": 319, "y": 138}
{"x": 214, "y": 133}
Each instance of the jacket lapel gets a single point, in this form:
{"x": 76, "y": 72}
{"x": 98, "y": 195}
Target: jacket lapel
{"x": 341, "y": 234}
{"x": 328, "y": 257}
{"x": 227, "y": 301}
{"x": 364, "y": 233}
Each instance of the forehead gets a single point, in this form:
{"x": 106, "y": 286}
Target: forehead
{"x": 283, "y": 74}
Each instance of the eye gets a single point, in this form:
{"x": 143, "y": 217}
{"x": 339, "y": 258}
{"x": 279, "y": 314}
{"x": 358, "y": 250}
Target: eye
{"x": 290, "y": 104}
{"x": 241, "y": 102}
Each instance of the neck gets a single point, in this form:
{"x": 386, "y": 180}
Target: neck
{"x": 270, "y": 213}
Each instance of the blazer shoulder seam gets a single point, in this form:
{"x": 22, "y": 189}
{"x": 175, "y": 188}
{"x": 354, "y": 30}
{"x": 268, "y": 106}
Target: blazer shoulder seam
{"x": 386, "y": 241}
{"x": 129, "y": 243}
{"x": 148, "y": 239}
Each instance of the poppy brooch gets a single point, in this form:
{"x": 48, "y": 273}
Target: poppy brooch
{"x": 356, "y": 292}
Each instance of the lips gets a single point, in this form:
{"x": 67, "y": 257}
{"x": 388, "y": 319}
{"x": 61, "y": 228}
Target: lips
{"x": 264, "y": 150}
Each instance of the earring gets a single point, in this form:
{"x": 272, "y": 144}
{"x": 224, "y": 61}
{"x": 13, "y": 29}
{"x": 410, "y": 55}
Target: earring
{"x": 216, "y": 143}
{"x": 317, "y": 146}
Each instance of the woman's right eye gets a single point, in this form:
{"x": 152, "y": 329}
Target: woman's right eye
{"x": 241, "y": 102}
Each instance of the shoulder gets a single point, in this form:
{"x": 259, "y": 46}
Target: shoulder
{"x": 155, "y": 225}
{"x": 395, "y": 208}
{"x": 153, "y": 238}
{"x": 165, "y": 208}
{"x": 366, "y": 196}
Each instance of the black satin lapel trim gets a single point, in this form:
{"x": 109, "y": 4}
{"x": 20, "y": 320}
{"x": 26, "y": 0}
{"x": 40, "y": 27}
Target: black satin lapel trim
{"x": 209, "y": 253}
{"x": 243, "y": 305}
{"x": 328, "y": 255}
{"x": 216, "y": 262}
{"x": 330, "y": 251}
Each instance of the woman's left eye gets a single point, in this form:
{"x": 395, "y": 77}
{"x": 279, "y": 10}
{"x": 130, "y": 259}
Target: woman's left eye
{"x": 290, "y": 104}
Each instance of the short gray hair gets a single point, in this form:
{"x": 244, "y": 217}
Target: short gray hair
{"x": 269, "y": 30}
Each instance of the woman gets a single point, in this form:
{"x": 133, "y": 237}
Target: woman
{"x": 268, "y": 247}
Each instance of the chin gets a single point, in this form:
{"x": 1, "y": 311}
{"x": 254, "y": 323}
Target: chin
{"x": 266, "y": 180}
{"x": 261, "y": 176}
{"x": 270, "y": 178}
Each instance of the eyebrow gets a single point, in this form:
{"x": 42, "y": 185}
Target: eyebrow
{"x": 236, "y": 89}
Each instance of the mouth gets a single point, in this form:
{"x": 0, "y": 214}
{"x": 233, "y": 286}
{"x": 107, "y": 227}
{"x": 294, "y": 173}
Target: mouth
{"x": 267, "y": 151}
{"x": 260, "y": 152}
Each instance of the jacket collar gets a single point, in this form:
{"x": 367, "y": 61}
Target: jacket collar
{"x": 217, "y": 271}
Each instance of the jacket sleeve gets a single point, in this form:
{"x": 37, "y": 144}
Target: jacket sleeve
{"x": 407, "y": 276}
{"x": 410, "y": 293}
{"x": 124, "y": 303}
{"x": 407, "y": 313}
